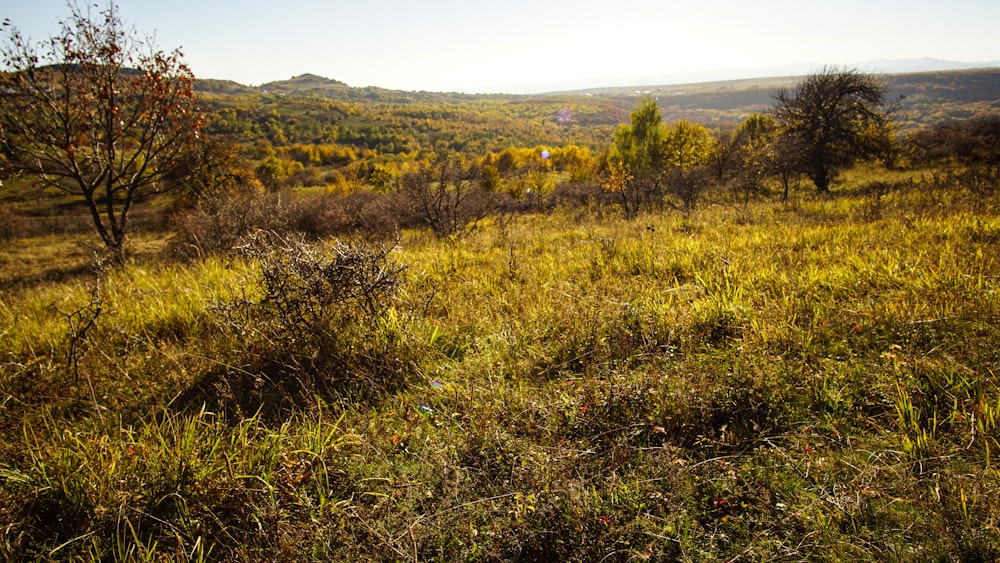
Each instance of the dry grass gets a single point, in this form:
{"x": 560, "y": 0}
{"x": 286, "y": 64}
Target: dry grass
{"x": 813, "y": 380}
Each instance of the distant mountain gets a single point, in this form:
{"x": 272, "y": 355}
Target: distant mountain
{"x": 649, "y": 82}
{"x": 760, "y": 77}
{"x": 924, "y": 97}
{"x": 925, "y": 64}
{"x": 314, "y": 84}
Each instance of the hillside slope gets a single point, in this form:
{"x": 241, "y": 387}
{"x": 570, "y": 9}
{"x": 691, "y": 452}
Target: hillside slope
{"x": 926, "y": 97}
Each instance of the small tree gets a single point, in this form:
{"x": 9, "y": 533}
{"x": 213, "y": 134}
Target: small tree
{"x": 834, "y": 118}
{"x": 755, "y": 156}
{"x": 636, "y": 161}
{"x": 97, "y": 113}
{"x": 687, "y": 149}
{"x": 724, "y": 152}
{"x": 447, "y": 195}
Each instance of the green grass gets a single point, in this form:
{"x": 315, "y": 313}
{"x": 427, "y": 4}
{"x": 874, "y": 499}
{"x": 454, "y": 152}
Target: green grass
{"x": 816, "y": 380}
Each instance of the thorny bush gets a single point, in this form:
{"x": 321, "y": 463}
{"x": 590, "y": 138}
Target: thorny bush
{"x": 320, "y": 324}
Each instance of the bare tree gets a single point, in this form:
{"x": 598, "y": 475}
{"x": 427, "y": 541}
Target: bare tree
{"x": 446, "y": 196}
{"x": 725, "y": 151}
{"x": 832, "y": 119}
{"x": 97, "y": 113}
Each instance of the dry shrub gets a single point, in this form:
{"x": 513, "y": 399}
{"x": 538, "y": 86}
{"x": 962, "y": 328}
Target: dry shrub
{"x": 315, "y": 322}
{"x": 218, "y": 226}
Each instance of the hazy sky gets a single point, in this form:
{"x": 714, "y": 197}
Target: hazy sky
{"x": 524, "y": 46}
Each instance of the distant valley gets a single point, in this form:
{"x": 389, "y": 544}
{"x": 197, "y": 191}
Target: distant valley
{"x": 925, "y": 97}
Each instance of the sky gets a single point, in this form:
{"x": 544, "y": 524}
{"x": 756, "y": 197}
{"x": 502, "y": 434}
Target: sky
{"x": 520, "y": 46}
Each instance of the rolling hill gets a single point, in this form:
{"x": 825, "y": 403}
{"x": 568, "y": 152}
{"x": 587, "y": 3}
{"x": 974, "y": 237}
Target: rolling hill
{"x": 925, "y": 97}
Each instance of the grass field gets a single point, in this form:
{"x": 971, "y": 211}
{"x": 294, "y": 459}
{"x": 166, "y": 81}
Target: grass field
{"x": 809, "y": 380}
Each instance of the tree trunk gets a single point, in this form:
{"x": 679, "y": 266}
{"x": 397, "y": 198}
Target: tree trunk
{"x": 821, "y": 178}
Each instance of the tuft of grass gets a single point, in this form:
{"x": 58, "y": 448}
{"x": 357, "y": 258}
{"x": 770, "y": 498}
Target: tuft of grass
{"x": 175, "y": 486}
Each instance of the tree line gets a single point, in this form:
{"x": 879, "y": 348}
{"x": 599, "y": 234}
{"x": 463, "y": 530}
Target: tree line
{"x": 104, "y": 116}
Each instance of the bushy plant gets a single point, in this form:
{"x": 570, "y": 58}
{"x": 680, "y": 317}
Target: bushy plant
{"x": 446, "y": 196}
{"x": 218, "y": 225}
{"x": 969, "y": 142}
{"x": 315, "y": 321}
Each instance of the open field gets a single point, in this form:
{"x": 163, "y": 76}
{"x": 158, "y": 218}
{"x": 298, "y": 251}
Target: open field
{"x": 809, "y": 380}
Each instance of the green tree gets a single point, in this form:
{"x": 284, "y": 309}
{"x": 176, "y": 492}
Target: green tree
{"x": 637, "y": 158}
{"x": 271, "y": 171}
{"x": 97, "y": 113}
{"x": 832, "y": 119}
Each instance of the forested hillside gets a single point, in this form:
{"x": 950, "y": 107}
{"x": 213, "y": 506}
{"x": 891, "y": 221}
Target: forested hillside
{"x": 309, "y": 109}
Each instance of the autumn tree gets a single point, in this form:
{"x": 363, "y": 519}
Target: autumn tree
{"x": 687, "y": 151}
{"x": 213, "y": 171}
{"x": 755, "y": 155}
{"x": 831, "y": 120}
{"x": 687, "y": 145}
{"x": 575, "y": 160}
{"x": 97, "y": 113}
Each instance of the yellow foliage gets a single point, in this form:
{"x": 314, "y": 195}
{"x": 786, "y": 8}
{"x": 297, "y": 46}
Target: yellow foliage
{"x": 618, "y": 178}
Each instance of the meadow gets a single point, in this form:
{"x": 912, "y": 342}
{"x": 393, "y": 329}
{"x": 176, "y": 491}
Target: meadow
{"x": 814, "y": 379}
